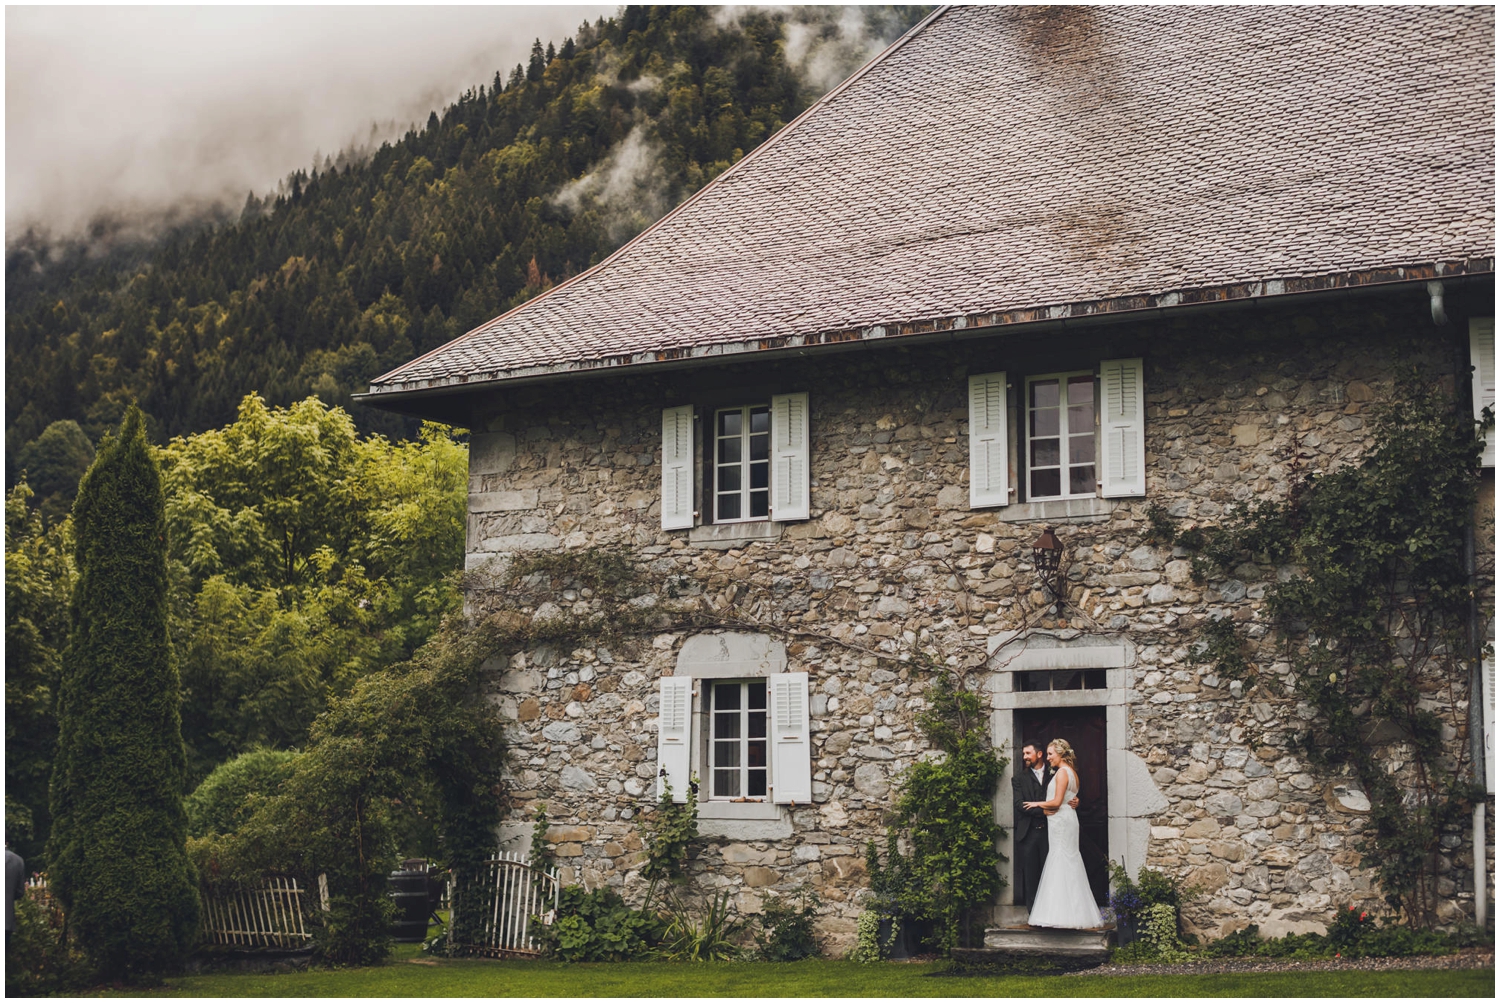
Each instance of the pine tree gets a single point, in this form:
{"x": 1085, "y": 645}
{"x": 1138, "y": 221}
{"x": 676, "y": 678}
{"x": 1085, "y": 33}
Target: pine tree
{"x": 118, "y": 855}
{"x": 538, "y": 63}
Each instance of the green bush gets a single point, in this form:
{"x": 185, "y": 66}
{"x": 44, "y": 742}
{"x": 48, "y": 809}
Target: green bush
{"x": 117, "y": 858}
{"x": 867, "y": 936}
{"x": 786, "y": 929}
{"x": 1354, "y": 933}
{"x": 709, "y": 938}
{"x": 599, "y": 926}
{"x": 40, "y": 959}
{"x": 220, "y": 806}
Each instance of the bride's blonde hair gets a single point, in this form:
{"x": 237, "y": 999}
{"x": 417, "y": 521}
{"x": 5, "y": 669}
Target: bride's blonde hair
{"x": 1065, "y": 752}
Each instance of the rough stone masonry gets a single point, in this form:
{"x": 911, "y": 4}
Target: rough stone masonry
{"x": 893, "y": 560}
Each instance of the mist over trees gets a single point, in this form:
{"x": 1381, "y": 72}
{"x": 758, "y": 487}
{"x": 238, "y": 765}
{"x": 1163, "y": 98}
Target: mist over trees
{"x": 351, "y": 270}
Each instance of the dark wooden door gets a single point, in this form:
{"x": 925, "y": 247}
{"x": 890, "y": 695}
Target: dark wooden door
{"x": 1084, "y": 729}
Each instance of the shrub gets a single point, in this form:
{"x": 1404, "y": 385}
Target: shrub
{"x": 1239, "y": 944}
{"x": 599, "y": 926}
{"x": 40, "y": 958}
{"x": 220, "y": 805}
{"x": 786, "y": 929}
{"x": 867, "y": 936}
{"x": 117, "y": 857}
{"x": 711, "y": 938}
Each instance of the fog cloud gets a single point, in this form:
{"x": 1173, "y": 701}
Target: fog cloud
{"x": 153, "y": 112}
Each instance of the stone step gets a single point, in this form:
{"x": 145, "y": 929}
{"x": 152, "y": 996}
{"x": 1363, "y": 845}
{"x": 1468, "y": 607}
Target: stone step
{"x": 1045, "y": 942}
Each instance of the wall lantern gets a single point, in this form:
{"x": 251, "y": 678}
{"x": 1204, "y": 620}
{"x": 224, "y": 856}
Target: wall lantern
{"x": 1046, "y": 554}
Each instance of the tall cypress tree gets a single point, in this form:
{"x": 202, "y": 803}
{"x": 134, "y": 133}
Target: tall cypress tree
{"x": 118, "y": 855}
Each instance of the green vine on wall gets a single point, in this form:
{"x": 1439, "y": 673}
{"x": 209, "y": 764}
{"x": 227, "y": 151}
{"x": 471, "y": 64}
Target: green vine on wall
{"x": 1376, "y": 624}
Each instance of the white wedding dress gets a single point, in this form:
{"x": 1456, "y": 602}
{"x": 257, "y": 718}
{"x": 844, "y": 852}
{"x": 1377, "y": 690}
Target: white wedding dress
{"x": 1063, "y": 896}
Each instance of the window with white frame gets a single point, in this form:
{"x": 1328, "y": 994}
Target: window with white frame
{"x": 754, "y": 461}
{"x": 742, "y": 463}
{"x": 738, "y": 763}
{"x": 1077, "y": 434}
{"x": 1060, "y": 436}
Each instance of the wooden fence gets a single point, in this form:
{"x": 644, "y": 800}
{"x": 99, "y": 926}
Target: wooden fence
{"x": 273, "y": 915}
{"x": 505, "y": 896}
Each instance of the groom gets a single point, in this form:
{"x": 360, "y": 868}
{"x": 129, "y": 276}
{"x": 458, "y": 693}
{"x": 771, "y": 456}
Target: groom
{"x": 1030, "y": 784}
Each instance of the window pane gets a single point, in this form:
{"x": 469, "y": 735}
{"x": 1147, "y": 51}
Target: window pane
{"x": 757, "y": 755}
{"x": 730, "y": 422}
{"x": 1044, "y": 422}
{"x": 760, "y": 475}
{"x": 1081, "y": 480}
{"x": 729, "y": 478}
{"x": 760, "y": 419}
{"x": 1093, "y": 679}
{"x": 1032, "y": 682}
{"x": 756, "y": 724}
{"x": 1067, "y": 679}
{"x": 727, "y": 725}
{"x": 729, "y": 507}
{"x": 1044, "y": 393}
{"x": 760, "y": 447}
{"x": 726, "y": 754}
{"x": 727, "y": 696}
{"x": 1044, "y": 452}
{"x": 1046, "y": 483}
{"x": 756, "y": 781}
{"x": 757, "y": 696}
{"x": 1081, "y": 418}
{"x": 1080, "y": 449}
{"x": 726, "y": 783}
{"x": 1080, "y": 390}
{"x": 729, "y": 450}
{"x": 760, "y": 504}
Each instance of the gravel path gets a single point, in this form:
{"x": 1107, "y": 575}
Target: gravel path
{"x": 1473, "y": 957}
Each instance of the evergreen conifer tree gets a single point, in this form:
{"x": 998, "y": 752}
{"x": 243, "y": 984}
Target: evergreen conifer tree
{"x": 118, "y": 849}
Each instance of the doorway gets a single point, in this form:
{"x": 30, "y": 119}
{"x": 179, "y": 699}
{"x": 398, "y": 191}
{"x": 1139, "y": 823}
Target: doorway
{"x": 1084, "y": 729}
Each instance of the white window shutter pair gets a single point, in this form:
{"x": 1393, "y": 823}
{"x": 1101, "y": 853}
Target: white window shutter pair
{"x": 791, "y": 453}
{"x": 790, "y": 736}
{"x": 1122, "y": 426}
{"x": 1487, "y": 682}
{"x": 1482, "y": 358}
{"x": 790, "y": 462}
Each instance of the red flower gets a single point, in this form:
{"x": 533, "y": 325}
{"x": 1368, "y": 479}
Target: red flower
{"x": 1362, "y": 916}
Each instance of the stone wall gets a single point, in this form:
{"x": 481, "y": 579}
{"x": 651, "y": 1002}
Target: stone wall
{"x": 893, "y": 560}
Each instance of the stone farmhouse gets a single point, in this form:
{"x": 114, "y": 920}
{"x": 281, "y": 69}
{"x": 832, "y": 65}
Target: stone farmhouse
{"x": 1029, "y": 268}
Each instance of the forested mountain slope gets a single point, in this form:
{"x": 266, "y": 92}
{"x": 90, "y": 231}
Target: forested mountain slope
{"x": 350, "y": 271}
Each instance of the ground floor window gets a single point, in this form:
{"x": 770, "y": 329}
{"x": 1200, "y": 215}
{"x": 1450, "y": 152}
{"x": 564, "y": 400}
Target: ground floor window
{"x": 737, "y": 740}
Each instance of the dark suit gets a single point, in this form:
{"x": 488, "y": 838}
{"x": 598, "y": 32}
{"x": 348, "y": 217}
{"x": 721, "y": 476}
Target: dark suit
{"x": 1030, "y": 832}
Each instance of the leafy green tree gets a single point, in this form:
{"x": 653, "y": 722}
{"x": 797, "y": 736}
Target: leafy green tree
{"x": 303, "y": 557}
{"x": 414, "y": 739}
{"x": 38, "y": 587}
{"x": 53, "y": 463}
{"x": 118, "y": 859}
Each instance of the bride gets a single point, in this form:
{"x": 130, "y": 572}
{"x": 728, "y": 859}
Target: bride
{"x": 1063, "y": 896}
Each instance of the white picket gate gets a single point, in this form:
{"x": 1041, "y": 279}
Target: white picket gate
{"x": 505, "y": 895}
{"x": 272, "y": 915}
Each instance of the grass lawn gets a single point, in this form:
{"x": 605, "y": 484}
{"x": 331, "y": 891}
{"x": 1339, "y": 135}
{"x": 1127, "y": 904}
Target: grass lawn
{"x": 401, "y": 977}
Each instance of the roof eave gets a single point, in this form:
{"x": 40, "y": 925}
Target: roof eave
{"x": 1120, "y": 307}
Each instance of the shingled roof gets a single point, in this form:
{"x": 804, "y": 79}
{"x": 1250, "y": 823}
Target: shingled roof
{"x": 1006, "y": 165}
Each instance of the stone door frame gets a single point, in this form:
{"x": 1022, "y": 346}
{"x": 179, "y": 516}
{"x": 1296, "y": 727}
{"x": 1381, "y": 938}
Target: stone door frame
{"x": 1133, "y": 795}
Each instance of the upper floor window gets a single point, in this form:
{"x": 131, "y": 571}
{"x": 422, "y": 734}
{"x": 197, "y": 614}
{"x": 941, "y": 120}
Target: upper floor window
{"x": 742, "y": 463}
{"x": 1060, "y": 440}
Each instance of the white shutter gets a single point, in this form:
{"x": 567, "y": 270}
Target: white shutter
{"x": 790, "y": 455}
{"x": 1482, "y": 357}
{"x": 791, "y": 739}
{"x": 677, "y": 467}
{"x": 1122, "y": 423}
{"x": 989, "y": 445}
{"x": 674, "y": 736}
{"x": 1487, "y": 680}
